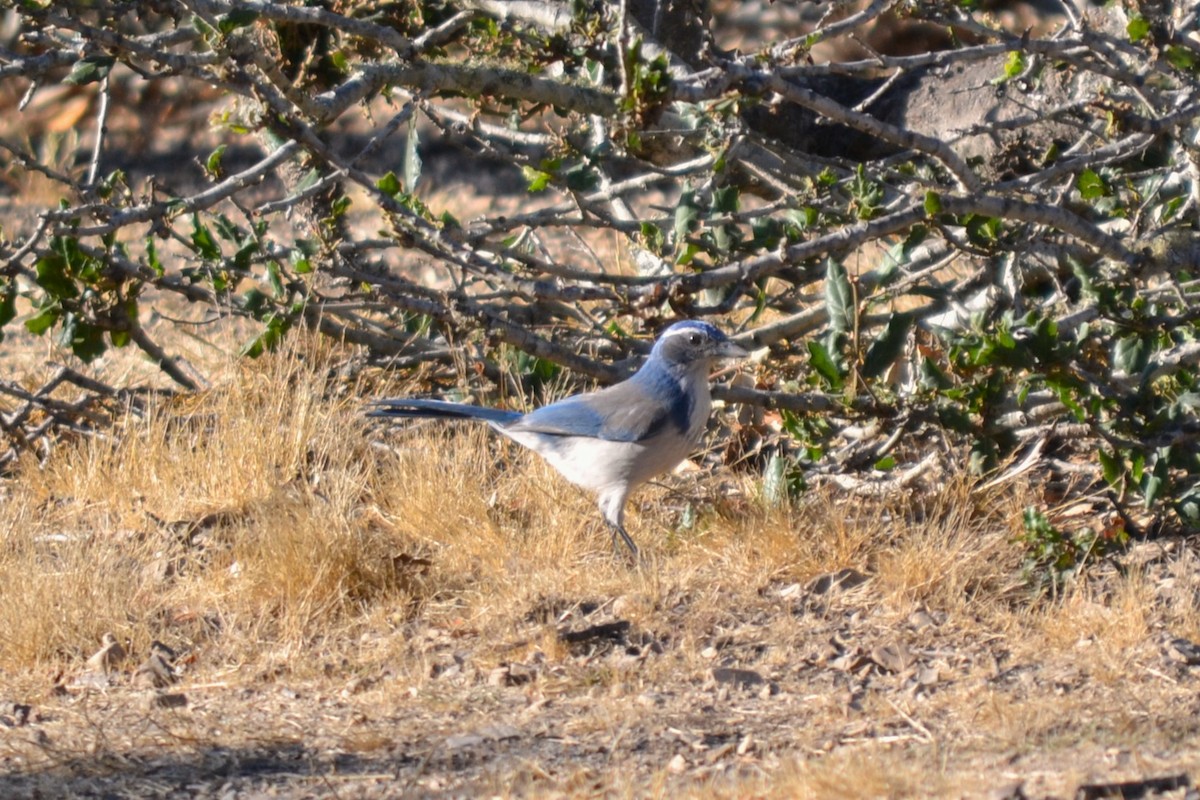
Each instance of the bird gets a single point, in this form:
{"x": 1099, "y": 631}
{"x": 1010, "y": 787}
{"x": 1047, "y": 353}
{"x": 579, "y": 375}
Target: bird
{"x": 612, "y": 440}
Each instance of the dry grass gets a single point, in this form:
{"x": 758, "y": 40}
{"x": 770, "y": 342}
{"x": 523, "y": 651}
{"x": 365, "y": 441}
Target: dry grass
{"x": 264, "y": 530}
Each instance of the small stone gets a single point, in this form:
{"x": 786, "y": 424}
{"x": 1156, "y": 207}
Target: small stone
{"x": 92, "y": 680}
{"x": 790, "y": 591}
{"x": 108, "y": 656}
{"x": 926, "y": 675}
{"x": 499, "y": 732}
{"x": 154, "y": 673}
{"x": 20, "y": 714}
{"x": 519, "y": 674}
{"x": 740, "y": 678}
{"x": 462, "y": 741}
{"x": 1183, "y": 651}
{"x": 677, "y": 765}
{"x": 171, "y": 700}
{"x": 892, "y": 657}
{"x": 836, "y": 582}
{"x": 921, "y": 619}
{"x": 649, "y": 700}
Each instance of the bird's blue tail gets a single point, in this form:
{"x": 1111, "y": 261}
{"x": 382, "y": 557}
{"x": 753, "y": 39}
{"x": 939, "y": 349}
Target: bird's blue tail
{"x": 404, "y": 407}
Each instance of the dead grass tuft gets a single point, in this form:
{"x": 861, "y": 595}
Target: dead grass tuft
{"x": 246, "y": 504}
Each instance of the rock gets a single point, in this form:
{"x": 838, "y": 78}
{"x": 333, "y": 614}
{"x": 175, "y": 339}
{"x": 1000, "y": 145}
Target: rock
{"x": 921, "y": 619}
{"x": 607, "y": 632}
{"x": 357, "y": 686}
{"x": 461, "y": 741}
{"x": 926, "y": 675}
{"x": 836, "y": 582}
{"x": 92, "y": 680}
{"x": 170, "y": 700}
{"x": 894, "y": 657}
{"x": 677, "y": 765}
{"x": 18, "y": 716}
{"x": 739, "y": 678}
{"x": 789, "y": 591}
{"x": 496, "y": 732}
{"x": 650, "y": 700}
{"x": 511, "y": 675}
{"x": 1183, "y": 651}
{"x": 1012, "y": 791}
{"x": 108, "y": 656}
{"x": 1142, "y": 788}
{"x": 154, "y": 673}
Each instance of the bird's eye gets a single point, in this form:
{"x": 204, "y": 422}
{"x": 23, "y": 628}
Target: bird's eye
{"x": 694, "y": 338}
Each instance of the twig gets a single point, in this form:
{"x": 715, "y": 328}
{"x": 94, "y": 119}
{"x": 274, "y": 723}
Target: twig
{"x": 101, "y": 131}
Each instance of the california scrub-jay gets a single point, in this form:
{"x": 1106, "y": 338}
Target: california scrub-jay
{"x": 615, "y": 439}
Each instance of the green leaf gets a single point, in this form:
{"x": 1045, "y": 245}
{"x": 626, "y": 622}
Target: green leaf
{"x": 152, "y": 256}
{"x": 933, "y": 203}
{"x": 581, "y": 178}
{"x": 1138, "y": 28}
{"x": 300, "y": 263}
{"x": 1112, "y": 466}
{"x": 274, "y": 280}
{"x": 1181, "y": 58}
{"x": 687, "y": 213}
{"x": 389, "y": 184}
{"x": 276, "y": 328}
{"x": 203, "y": 240}
{"x": 884, "y": 351}
{"x": 726, "y": 200}
{"x": 1015, "y": 64}
{"x": 982, "y": 230}
{"x": 238, "y": 18}
{"x": 839, "y": 297}
{"x": 44, "y": 319}
{"x": 212, "y": 164}
{"x": 90, "y": 70}
{"x": 824, "y": 364}
{"x": 653, "y": 238}
{"x": 339, "y": 206}
{"x": 245, "y": 254}
{"x": 536, "y": 179}
{"x": 1154, "y": 482}
{"x": 1131, "y": 354}
{"x": 52, "y": 276}
{"x": 8, "y": 305}
{"x": 119, "y": 338}
{"x": 87, "y": 342}
{"x": 775, "y": 480}
{"x": 1092, "y": 186}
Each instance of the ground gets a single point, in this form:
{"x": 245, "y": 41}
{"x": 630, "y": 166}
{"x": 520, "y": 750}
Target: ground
{"x": 300, "y": 604}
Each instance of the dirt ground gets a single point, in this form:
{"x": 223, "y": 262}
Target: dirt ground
{"x": 821, "y": 689}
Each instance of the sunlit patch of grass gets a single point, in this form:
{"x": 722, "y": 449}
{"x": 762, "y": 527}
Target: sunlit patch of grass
{"x": 245, "y": 504}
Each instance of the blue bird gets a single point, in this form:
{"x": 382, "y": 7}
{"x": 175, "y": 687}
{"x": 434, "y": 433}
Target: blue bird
{"x": 615, "y": 439}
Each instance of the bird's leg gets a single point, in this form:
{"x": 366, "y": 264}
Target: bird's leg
{"x": 619, "y": 530}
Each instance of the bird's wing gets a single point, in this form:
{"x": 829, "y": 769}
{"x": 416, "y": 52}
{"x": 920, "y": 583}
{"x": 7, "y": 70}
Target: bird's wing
{"x": 439, "y": 409}
{"x": 627, "y": 412}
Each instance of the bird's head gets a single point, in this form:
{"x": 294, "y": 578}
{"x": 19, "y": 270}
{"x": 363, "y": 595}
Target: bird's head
{"x": 691, "y": 344}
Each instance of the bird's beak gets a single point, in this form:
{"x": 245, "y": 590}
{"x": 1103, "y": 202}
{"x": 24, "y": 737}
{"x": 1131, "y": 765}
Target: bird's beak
{"x": 728, "y": 349}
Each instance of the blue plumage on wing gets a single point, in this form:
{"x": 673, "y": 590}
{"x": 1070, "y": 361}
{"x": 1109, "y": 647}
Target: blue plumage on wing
{"x": 633, "y": 411}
